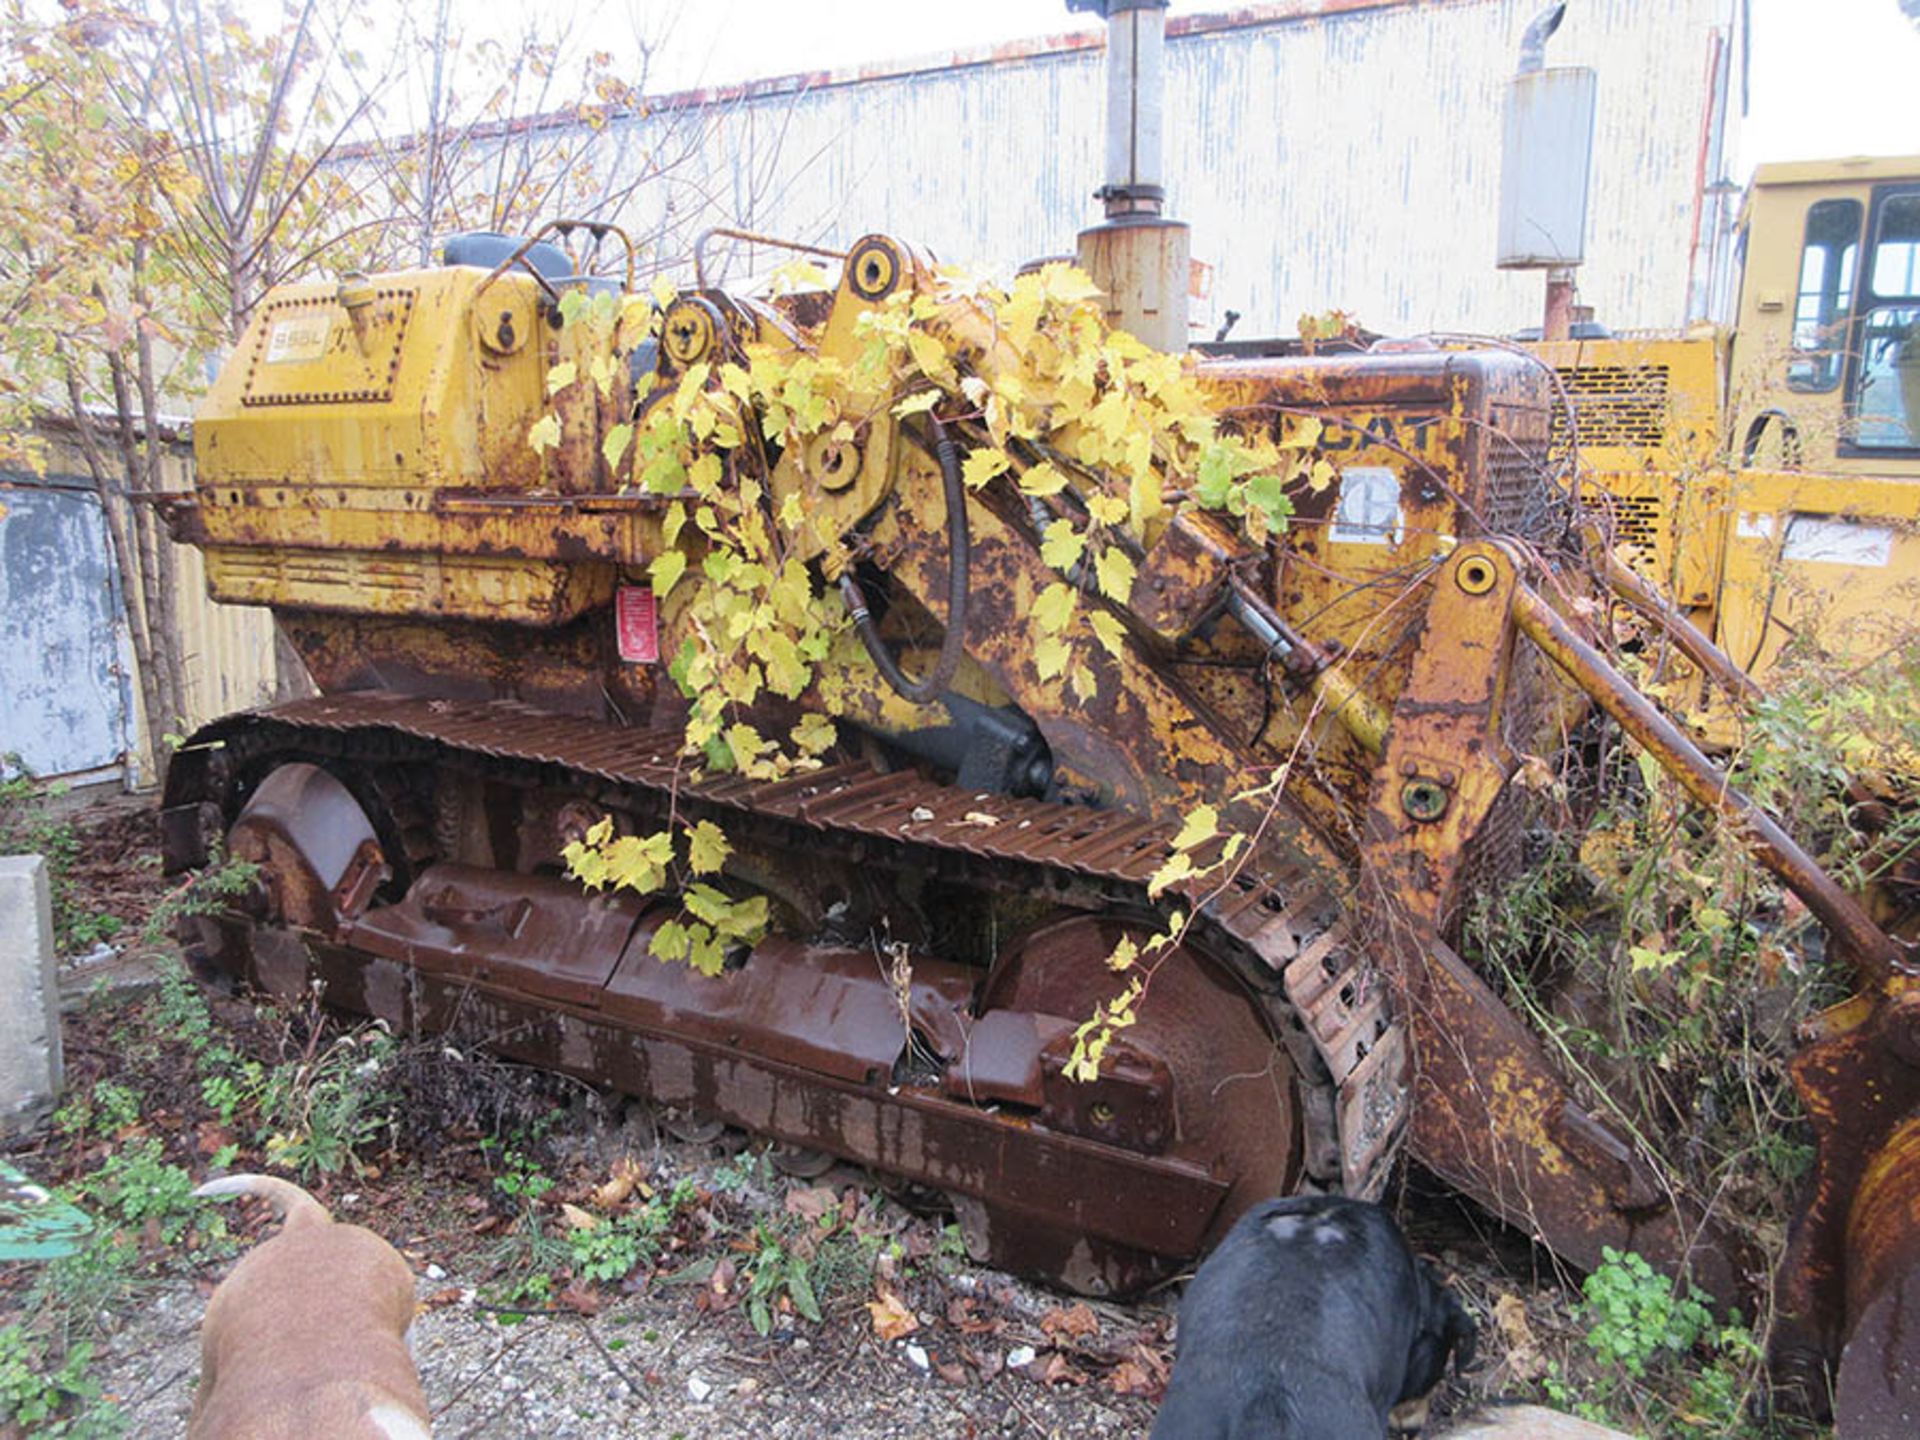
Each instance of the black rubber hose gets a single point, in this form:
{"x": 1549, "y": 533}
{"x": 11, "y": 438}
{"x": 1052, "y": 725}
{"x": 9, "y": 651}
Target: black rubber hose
{"x": 959, "y": 561}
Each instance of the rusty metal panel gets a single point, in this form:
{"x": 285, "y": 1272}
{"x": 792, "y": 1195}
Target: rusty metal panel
{"x": 1324, "y": 154}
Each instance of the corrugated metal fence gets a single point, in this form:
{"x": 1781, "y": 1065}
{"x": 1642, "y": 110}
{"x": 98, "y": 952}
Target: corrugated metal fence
{"x": 1328, "y": 153}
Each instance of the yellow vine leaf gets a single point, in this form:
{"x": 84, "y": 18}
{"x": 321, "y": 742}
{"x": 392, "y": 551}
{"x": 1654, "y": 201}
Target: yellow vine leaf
{"x": 707, "y": 848}
{"x": 1042, "y": 480}
{"x": 544, "y": 433}
{"x": 1054, "y": 608}
{"x": 930, "y": 355}
{"x": 1115, "y": 570}
{"x": 1145, "y": 498}
{"x": 917, "y": 403}
{"x": 1094, "y": 1035}
{"x": 665, "y": 570}
{"x": 1302, "y": 434}
{"x": 1179, "y": 867}
{"x": 1062, "y": 545}
{"x": 1201, "y": 824}
{"x": 560, "y": 376}
{"x": 747, "y": 745}
{"x": 983, "y": 465}
{"x": 1108, "y": 630}
{"x": 1050, "y": 656}
{"x": 615, "y": 445}
{"x": 815, "y": 734}
{"x": 1107, "y": 509}
{"x": 669, "y": 942}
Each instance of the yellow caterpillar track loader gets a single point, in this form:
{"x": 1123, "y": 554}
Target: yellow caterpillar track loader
{"x": 1078, "y": 727}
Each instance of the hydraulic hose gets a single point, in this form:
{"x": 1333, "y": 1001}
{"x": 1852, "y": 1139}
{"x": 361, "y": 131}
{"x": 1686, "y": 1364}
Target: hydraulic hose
{"x": 959, "y": 561}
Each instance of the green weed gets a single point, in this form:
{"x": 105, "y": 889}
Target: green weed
{"x": 135, "y": 1184}
{"x": 105, "y": 1111}
{"x": 58, "y": 1399}
{"x": 320, "y": 1111}
{"x": 1660, "y": 1363}
{"x": 778, "y": 1269}
{"x": 28, "y": 826}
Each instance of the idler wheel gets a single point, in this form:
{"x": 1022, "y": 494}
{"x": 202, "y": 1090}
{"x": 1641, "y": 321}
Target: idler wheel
{"x": 1199, "y": 1077}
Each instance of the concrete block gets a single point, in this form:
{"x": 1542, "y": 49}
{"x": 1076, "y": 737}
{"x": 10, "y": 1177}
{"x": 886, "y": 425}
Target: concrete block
{"x": 31, "y": 1071}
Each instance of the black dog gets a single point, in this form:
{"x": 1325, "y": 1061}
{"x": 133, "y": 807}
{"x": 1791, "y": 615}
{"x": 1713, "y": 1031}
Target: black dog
{"x": 1312, "y": 1319}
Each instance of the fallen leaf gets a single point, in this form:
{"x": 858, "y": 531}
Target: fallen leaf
{"x": 720, "y": 1282}
{"x": 951, "y": 1371}
{"x": 1056, "y": 1369}
{"x": 1127, "y": 1378}
{"x": 1077, "y": 1323}
{"x": 581, "y": 1302}
{"x": 1523, "y": 1358}
{"x": 1535, "y": 774}
{"x": 625, "y": 1178}
{"x": 891, "y": 1318}
{"x": 577, "y": 1218}
{"x": 448, "y": 1296}
{"x": 989, "y": 1365}
{"x": 813, "y": 1203}
{"x": 979, "y": 817}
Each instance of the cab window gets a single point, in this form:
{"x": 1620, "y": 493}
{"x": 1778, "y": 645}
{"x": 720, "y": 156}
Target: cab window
{"x": 1885, "y": 407}
{"x": 1822, "y": 305}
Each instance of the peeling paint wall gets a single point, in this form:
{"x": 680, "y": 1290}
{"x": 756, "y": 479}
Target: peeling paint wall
{"x": 62, "y": 706}
{"x": 69, "y": 694}
{"x": 1344, "y": 157}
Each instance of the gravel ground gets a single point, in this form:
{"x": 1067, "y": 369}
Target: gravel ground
{"x": 656, "y": 1366}
{"x": 671, "y": 1362}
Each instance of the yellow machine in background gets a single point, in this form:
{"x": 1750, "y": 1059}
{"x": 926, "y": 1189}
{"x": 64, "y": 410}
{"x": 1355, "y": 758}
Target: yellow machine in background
{"x": 1768, "y": 480}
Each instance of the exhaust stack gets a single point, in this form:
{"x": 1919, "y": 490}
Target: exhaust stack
{"x": 1547, "y": 157}
{"x": 1138, "y": 256}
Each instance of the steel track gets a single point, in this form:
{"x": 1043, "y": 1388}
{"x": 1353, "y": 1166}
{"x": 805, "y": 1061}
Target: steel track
{"x": 1280, "y": 927}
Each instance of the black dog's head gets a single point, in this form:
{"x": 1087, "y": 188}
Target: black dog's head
{"x": 1445, "y": 1329}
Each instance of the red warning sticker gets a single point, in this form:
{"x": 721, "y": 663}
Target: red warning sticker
{"x": 636, "y": 623}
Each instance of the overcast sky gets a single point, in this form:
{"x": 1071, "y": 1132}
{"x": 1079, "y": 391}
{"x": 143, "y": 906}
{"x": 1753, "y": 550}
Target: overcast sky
{"x": 1829, "y": 77}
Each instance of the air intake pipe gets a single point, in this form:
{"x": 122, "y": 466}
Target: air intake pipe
{"x": 1138, "y": 257}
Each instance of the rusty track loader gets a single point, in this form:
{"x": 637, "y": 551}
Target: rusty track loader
{"x": 945, "y": 889}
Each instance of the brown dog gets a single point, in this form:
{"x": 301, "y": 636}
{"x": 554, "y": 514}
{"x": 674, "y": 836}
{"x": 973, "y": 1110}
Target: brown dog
{"x": 306, "y": 1339}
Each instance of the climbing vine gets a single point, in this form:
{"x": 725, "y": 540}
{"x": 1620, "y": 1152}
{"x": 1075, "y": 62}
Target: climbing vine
{"x": 1102, "y": 438}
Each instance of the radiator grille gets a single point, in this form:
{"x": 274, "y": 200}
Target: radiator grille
{"x": 1519, "y": 493}
{"x": 1623, "y": 406}
{"x": 1636, "y": 520}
